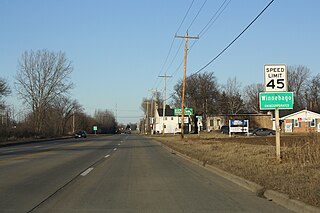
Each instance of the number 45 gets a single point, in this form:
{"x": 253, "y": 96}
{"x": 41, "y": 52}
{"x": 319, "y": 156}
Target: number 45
{"x": 280, "y": 83}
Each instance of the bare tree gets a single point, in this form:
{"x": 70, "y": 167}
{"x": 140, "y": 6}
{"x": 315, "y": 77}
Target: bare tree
{"x": 231, "y": 100}
{"x": 297, "y": 81}
{"x": 312, "y": 94}
{"x": 66, "y": 109}
{"x": 151, "y": 104}
{"x": 4, "y": 91}
{"x": 202, "y": 93}
{"x": 106, "y": 121}
{"x": 251, "y": 97}
{"x": 42, "y": 77}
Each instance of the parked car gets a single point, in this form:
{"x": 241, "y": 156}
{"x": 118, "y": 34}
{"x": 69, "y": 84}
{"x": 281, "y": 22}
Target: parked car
{"x": 263, "y": 132}
{"x": 224, "y": 129}
{"x": 80, "y": 134}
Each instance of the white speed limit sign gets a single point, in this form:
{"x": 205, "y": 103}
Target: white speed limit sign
{"x": 275, "y": 78}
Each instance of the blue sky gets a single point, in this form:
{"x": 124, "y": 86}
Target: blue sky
{"x": 118, "y": 47}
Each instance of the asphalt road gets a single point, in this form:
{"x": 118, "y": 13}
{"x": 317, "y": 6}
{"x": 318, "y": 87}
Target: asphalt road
{"x": 120, "y": 173}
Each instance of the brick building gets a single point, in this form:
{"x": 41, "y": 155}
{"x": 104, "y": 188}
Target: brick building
{"x": 302, "y": 121}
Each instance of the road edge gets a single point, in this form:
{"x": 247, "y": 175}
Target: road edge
{"x": 271, "y": 195}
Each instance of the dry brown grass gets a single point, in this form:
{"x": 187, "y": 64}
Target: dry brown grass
{"x": 253, "y": 158}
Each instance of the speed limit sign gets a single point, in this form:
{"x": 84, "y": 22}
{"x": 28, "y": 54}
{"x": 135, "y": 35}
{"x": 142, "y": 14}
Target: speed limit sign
{"x": 275, "y": 78}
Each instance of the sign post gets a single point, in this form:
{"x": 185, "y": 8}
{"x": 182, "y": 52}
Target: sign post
{"x": 276, "y": 96}
{"x": 95, "y": 128}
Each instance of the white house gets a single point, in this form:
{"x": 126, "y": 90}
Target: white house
{"x": 302, "y": 121}
{"x": 170, "y": 123}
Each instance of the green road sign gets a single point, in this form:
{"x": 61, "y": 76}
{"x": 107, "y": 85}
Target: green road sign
{"x": 187, "y": 111}
{"x": 273, "y": 100}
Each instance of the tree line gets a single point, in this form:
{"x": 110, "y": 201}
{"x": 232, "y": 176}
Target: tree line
{"x": 44, "y": 85}
{"x": 207, "y": 97}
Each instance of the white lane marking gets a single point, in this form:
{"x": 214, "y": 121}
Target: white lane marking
{"x": 7, "y": 152}
{"x": 86, "y": 172}
{"x": 106, "y": 156}
{"x": 114, "y": 149}
{"x": 119, "y": 144}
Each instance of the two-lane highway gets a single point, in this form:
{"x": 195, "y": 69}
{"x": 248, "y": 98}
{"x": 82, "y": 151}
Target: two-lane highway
{"x": 120, "y": 173}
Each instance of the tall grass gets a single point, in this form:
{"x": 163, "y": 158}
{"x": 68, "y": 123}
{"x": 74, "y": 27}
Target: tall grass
{"x": 304, "y": 152}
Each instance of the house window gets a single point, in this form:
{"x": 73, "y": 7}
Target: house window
{"x": 312, "y": 123}
{"x": 172, "y": 118}
{"x": 165, "y": 118}
{"x": 296, "y": 123}
{"x": 211, "y": 122}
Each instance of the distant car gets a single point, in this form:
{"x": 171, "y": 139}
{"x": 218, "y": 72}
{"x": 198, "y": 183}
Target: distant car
{"x": 224, "y": 129}
{"x": 263, "y": 132}
{"x": 80, "y": 134}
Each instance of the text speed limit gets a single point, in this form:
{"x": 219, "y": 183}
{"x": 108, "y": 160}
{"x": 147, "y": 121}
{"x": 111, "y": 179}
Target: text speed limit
{"x": 275, "y": 78}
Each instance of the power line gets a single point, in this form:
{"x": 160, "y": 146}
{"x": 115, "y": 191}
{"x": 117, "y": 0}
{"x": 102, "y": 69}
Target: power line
{"x": 174, "y": 40}
{"x": 175, "y": 56}
{"x": 185, "y": 16}
{"x": 213, "y": 19}
{"x": 224, "y": 5}
{"x": 234, "y": 39}
{"x": 215, "y": 16}
{"x": 197, "y": 14}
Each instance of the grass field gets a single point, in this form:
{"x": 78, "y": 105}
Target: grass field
{"x": 254, "y": 158}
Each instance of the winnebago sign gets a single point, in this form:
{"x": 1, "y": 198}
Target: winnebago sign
{"x": 273, "y": 100}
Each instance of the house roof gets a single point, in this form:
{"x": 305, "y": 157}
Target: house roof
{"x": 303, "y": 114}
{"x": 168, "y": 112}
{"x": 244, "y": 114}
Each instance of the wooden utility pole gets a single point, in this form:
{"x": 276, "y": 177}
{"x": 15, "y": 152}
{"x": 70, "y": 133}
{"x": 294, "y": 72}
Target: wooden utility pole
{"x": 73, "y": 123}
{"x": 165, "y": 76}
{"x": 186, "y": 37}
{"x": 153, "y": 108}
{"x": 147, "y": 125}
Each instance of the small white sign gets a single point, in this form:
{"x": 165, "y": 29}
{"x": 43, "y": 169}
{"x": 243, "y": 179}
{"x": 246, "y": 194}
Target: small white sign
{"x": 288, "y": 127}
{"x": 239, "y": 126}
{"x": 186, "y": 120}
{"x": 275, "y": 78}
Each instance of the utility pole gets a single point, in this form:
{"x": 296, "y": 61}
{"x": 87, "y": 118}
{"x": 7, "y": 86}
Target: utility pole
{"x": 186, "y": 37}
{"x": 147, "y": 125}
{"x": 153, "y": 108}
{"x": 73, "y": 123}
{"x": 165, "y": 76}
